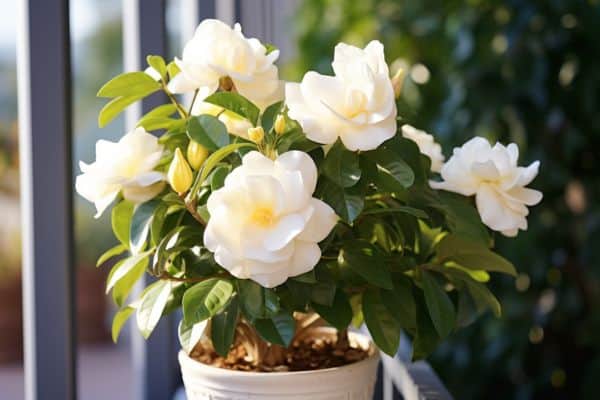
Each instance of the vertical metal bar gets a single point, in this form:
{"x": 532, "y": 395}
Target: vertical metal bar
{"x": 155, "y": 360}
{"x": 46, "y": 197}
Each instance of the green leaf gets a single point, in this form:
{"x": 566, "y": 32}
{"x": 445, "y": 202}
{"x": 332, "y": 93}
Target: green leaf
{"x": 400, "y": 302}
{"x": 341, "y": 166}
{"x": 110, "y": 253}
{"x": 164, "y": 110}
{"x": 152, "y": 306}
{"x": 382, "y": 325}
{"x": 129, "y": 84}
{"x": 114, "y": 108}
{"x": 347, "y": 203}
{"x": 462, "y": 217}
{"x": 267, "y": 119}
{"x": 156, "y": 123}
{"x": 158, "y": 221}
{"x": 236, "y": 103}
{"x": 364, "y": 259}
{"x": 339, "y": 314}
{"x": 398, "y": 209}
{"x": 123, "y": 286}
{"x": 121, "y": 221}
{"x": 123, "y": 268}
{"x": 119, "y": 321}
{"x": 409, "y": 152}
{"x": 208, "y": 131}
{"x": 391, "y": 165}
{"x": 484, "y": 298}
{"x": 205, "y": 299}
{"x": 190, "y": 335}
{"x": 279, "y": 329}
{"x": 219, "y": 155}
{"x": 158, "y": 63}
{"x": 217, "y": 179}
{"x": 426, "y": 339}
{"x": 140, "y": 224}
{"x": 441, "y": 309}
{"x": 257, "y": 301}
{"x": 172, "y": 69}
{"x": 222, "y": 330}
{"x": 323, "y": 293}
{"x": 472, "y": 255}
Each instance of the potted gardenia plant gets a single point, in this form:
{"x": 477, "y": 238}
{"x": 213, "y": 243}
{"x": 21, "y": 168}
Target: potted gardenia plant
{"x": 277, "y": 215}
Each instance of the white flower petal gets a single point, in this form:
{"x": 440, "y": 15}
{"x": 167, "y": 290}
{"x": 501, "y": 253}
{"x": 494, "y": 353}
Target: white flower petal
{"x": 321, "y": 222}
{"x": 306, "y": 256}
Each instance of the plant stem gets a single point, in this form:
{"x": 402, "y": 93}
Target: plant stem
{"x": 193, "y": 101}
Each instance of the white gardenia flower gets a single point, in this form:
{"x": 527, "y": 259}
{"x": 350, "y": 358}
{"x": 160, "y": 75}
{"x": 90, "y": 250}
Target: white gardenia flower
{"x": 127, "y": 166}
{"x": 427, "y": 145}
{"x": 264, "y": 223}
{"x": 357, "y": 104}
{"x": 216, "y": 51}
{"x": 492, "y": 175}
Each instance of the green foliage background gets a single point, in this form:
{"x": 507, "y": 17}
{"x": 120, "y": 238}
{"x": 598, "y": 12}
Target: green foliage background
{"x": 521, "y": 71}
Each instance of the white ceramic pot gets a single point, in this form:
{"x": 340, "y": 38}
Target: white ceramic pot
{"x": 351, "y": 382}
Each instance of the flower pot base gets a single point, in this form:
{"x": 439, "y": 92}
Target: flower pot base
{"x": 352, "y": 381}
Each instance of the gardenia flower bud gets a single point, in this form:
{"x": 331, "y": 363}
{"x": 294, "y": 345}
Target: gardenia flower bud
{"x": 279, "y": 125}
{"x": 427, "y": 145}
{"x": 264, "y": 223}
{"x": 357, "y": 104}
{"x": 492, "y": 175}
{"x": 256, "y": 134}
{"x": 196, "y": 154}
{"x": 216, "y": 51}
{"x": 180, "y": 175}
{"x": 126, "y": 167}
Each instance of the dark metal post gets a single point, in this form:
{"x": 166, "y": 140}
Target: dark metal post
{"x": 46, "y": 197}
{"x": 155, "y": 360}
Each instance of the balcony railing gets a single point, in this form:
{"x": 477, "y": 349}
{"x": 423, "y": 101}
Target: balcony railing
{"x": 44, "y": 82}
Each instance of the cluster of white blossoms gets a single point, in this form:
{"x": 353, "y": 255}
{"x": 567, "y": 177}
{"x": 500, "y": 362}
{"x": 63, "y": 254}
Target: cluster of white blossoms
{"x": 265, "y": 224}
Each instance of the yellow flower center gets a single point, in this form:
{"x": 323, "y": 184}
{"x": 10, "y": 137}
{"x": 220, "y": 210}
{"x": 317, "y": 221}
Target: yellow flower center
{"x": 355, "y": 103}
{"x": 263, "y": 216}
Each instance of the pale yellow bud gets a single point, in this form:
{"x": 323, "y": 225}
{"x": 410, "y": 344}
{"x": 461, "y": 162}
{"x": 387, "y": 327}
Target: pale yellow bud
{"x": 398, "y": 82}
{"x": 180, "y": 174}
{"x": 279, "y": 124}
{"x": 256, "y": 134}
{"x": 196, "y": 154}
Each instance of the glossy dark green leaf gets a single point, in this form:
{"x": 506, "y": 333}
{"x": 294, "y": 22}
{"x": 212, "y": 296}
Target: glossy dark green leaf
{"x": 216, "y": 157}
{"x": 347, "y": 203}
{"x": 391, "y": 165}
{"x": 123, "y": 268}
{"x": 341, "y": 166}
{"x": 382, "y": 325}
{"x": 441, "y": 309}
{"x": 123, "y": 286}
{"x": 205, "y": 299}
{"x": 208, "y": 131}
{"x": 364, "y": 259}
{"x": 323, "y": 293}
{"x": 140, "y": 224}
{"x": 339, "y": 314}
{"x": 400, "y": 303}
{"x": 267, "y": 119}
{"x": 222, "y": 329}
{"x": 129, "y": 84}
{"x": 218, "y": 176}
{"x": 426, "y": 339}
{"x": 472, "y": 255}
{"x": 279, "y": 329}
{"x": 257, "y": 301}
{"x": 462, "y": 217}
{"x": 152, "y": 306}
{"x": 236, "y": 103}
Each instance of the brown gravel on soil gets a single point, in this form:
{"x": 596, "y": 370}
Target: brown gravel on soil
{"x": 301, "y": 356}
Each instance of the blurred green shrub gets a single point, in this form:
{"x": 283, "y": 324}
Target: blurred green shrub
{"x": 521, "y": 71}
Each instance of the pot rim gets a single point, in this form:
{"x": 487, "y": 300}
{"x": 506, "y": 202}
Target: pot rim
{"x": 356, "y": 336}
